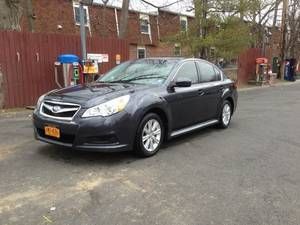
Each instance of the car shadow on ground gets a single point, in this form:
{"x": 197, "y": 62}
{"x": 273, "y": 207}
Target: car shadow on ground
{"x": 72, "y": 156}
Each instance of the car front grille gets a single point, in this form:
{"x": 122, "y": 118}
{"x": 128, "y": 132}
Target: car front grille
{"x": 59, "y": 110}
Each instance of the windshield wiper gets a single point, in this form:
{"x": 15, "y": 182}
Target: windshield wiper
{"x": 141, "y": 77}
{"x": 145, "y": 77}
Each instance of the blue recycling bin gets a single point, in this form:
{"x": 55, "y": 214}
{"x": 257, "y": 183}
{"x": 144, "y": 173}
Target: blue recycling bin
{"x": 290, "y": 69}
{"x": 67, "y": 70}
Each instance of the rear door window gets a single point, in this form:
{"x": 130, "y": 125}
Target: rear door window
{"x": 218, "y": 74}
{"x": 207, "y": 72}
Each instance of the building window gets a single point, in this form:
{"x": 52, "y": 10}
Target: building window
{"x": 141, "y": 52}
{"x": 177, "y": 50}
{"x": 144, "y": 24}
{"x": 183, "y": 23}
{"x": 77, "y": 14}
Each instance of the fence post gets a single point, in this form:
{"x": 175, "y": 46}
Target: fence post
{"x": 1, "y": 90}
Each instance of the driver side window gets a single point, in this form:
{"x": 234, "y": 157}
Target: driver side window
{"x": 188, "y": 71}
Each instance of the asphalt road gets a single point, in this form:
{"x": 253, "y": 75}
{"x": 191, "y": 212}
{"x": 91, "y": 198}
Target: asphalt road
{"x": 248, "y": 174}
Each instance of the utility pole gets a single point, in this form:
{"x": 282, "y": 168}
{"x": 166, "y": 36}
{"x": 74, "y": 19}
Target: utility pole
{"x": 124, "y": 19}
{"x": 283, "y": 37}
{"x": 82, "y": 31}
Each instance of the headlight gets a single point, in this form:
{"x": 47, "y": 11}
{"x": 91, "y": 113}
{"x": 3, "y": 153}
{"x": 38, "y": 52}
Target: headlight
{"x": 39, "y": 102}
{"x": 108, "y": 108}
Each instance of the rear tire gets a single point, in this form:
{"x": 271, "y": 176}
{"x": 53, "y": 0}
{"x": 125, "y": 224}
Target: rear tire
{"x": 225, "y": 115}
{"x": 150, "y": 135}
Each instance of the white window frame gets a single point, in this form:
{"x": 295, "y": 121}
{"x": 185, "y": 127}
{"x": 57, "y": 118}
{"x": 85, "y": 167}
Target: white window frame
{"x": 140, "y": 48}
{"x": 184, "y": 18}
{"x": 86, "y": 8}
{"x": 145, "y": 17}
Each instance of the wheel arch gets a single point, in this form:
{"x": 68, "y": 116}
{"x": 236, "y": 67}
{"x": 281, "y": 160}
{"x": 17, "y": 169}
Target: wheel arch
{"x": 228, "y": 98}
{"x": 231, "y": 101}
{"x": 163, "y": 116}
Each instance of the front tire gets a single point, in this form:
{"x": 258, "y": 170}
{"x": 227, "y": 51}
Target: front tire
{"x": 149, "y": 136}
{"x": 226, "y": 113}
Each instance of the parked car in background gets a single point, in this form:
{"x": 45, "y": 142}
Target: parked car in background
{"x": 136, "y": 106}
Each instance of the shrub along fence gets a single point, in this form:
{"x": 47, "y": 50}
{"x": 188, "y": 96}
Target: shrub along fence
{"x": 27, "y": 62}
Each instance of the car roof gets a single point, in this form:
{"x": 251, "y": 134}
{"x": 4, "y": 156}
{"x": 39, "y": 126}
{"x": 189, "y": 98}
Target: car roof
{"x": 167, "y": 58}
{"x": 176, "y": 59}
{"x": 179, "y": 59}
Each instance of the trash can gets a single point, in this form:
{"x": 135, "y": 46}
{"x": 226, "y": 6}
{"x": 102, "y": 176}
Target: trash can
{"x": 290, "y": 69}
{"x": 275, "y": 65}
{"x": 67, "y": 70}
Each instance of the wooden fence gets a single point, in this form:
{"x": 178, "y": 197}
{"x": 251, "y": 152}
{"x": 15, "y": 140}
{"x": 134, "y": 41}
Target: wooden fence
{"x": 27, "y": 61}
{"x": 247, "y": 66}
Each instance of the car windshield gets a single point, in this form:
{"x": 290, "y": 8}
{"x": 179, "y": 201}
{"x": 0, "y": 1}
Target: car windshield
{"x": 143, "y": 71}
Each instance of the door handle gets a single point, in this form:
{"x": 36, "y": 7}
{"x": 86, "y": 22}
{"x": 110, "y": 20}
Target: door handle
{"x": 201, "y": 92}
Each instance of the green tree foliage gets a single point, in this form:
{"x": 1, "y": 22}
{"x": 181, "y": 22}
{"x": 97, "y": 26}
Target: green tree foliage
{"x": 231, "y": 39}
{"x": 226, "y": 26}
{"x": 228, "y": 38}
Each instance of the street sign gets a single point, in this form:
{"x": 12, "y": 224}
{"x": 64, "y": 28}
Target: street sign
{"x": 105, "y": 58}
{"x": 100, "y": 58}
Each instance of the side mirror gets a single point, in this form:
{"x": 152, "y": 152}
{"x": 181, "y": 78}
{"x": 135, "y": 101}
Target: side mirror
{"x": 183, "y": 83}
{"x": 179, "y": 83}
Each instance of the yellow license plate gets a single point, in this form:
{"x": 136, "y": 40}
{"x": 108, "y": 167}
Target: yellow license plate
{"x": 52, "y": 131}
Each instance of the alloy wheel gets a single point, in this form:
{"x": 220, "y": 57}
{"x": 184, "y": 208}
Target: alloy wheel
{"x": 151, "y": 135}
{"x": 226, "y": 114}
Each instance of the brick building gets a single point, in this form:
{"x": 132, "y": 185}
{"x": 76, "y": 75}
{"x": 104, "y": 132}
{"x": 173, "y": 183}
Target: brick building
{"x": 145, "y": 30}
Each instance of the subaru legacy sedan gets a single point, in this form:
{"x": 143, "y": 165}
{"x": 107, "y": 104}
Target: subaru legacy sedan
{"x": 137, "y": 106}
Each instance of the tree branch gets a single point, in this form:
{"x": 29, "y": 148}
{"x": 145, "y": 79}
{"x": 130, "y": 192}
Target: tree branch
{"x": 163, "y": 6}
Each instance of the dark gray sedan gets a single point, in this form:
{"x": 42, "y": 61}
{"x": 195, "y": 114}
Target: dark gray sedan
{"x": 136, "y": 106}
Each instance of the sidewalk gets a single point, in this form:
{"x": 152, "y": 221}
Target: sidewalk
{"x": 19, "y": 113}
{"x": 278, "y": 83}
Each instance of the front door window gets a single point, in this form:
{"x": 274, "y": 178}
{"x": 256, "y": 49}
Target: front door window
{"x": 188, "y": 71}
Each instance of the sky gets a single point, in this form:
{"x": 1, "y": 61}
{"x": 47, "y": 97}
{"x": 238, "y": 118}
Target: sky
{"x": 138, "y": 5}
{"x": 180, "y": 7}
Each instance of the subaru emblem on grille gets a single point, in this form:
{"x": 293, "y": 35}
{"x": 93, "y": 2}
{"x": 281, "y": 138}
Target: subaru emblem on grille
{"x": 59, "y": 110}
{"x": 56, "y": 108}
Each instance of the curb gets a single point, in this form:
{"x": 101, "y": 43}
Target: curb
{"x": 268, "y": 86}
{"x": 20, "y": 113}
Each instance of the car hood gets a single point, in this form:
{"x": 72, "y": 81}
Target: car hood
{"x": 88, "y": 94}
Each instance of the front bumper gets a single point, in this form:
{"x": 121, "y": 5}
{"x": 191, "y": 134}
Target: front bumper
{"x": 111, "y": 134}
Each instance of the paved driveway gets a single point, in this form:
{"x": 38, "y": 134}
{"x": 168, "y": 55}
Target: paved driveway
{"x": 248, "y": 174}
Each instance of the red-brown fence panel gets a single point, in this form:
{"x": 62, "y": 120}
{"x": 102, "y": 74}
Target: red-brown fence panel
{"x": 246, "y": 64}
{"x": 27, "y": 61}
